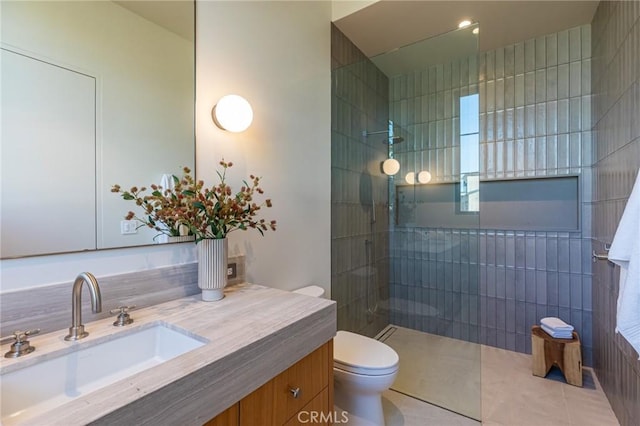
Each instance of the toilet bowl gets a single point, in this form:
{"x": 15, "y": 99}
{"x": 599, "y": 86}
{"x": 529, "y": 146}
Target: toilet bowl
{"x": 363, "y": 368}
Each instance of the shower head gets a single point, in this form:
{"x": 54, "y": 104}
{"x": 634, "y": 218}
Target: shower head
{"x": 388, "y": 141}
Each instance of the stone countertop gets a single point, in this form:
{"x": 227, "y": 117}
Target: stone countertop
{"x": 253, "y": 334}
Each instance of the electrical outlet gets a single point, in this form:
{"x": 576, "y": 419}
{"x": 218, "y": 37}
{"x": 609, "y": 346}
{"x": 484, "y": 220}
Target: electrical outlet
{"x": 231, "y": 270}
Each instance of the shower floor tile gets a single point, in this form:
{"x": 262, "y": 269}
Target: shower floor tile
{"x": 499, "y": 387}
{"x": 437, "y": 369}
{"x": 403, "y": 410}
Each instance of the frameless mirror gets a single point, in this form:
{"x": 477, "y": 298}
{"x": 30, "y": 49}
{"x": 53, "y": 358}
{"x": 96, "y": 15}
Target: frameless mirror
{"x": 94, "y": 93}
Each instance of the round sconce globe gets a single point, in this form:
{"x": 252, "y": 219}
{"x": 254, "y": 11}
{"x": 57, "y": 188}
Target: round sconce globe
{"x": 390, "y": 166}
{"x": 424, "y": 177}
{"x": 232, "y": 113}
{"x": 410, "y": 178}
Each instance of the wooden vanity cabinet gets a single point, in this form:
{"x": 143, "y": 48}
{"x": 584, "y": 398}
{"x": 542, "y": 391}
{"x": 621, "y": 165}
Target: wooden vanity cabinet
{"x": 303, "y": 390}
{"x": 228, "y": 417}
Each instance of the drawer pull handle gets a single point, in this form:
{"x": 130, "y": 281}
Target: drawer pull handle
{"x": 295, "y": 392}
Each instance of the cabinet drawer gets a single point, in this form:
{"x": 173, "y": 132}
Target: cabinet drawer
{"x": 228, "y": 417}
{"x": 299, "y": 384}
{"x": 258, "y": 408}
{"x": 273, "y": 404}
{"x": 316, "y": 412}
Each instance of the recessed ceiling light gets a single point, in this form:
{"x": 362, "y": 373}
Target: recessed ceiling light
{"x": 464, "y": 23}
{"x": 476, "y": 30}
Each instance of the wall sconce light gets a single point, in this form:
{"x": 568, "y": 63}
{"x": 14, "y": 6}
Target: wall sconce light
{"x": 424, "y": 177}
{"x": 232, "y": 113}
{"x": 410, "y": 178}
{"x": 390, "y": 166}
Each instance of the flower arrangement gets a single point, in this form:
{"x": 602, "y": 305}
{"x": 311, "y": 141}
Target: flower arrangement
{"x": 207, "y": 213}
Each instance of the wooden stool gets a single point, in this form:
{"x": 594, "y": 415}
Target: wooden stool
{"x": 564, "y": 353}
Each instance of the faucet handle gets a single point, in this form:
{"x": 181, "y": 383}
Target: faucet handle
{"x": 122, "y": 309}
{"x": 123, "y": 315}
{"x": 20, "y": 336}
{"x": 20, "y": 344}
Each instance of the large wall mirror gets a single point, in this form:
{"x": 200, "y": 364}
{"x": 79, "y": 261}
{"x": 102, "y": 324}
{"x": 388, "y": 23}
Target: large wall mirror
{"x": 94, "y": 93}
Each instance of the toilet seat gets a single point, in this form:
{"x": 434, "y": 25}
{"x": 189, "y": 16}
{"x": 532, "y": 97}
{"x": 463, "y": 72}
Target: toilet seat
{"x": 363, "y": 355}
{"x": 312, "y": 290}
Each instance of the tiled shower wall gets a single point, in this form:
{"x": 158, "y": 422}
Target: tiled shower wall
{"x": 616, "y": 118}
{"x": 434, "y": 271}
{"x": 359, "y": 190}
{"x": 535, "y": 121}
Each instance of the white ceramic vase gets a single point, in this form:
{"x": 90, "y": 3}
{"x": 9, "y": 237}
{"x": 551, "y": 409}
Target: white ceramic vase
{"x": 164, "y": 239}
{"x": 212, "y": 268}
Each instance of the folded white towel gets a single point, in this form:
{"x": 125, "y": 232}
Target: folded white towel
{"x": 625, "y": 252}
{"x": 557, "y": 334}
{"x": 556, "y": 324}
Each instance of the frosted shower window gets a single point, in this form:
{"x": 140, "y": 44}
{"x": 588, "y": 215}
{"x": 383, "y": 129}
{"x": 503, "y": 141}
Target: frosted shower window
{"x": 469, "y": 154}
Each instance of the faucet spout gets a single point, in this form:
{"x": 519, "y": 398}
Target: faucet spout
{"x": 76, "y": 331}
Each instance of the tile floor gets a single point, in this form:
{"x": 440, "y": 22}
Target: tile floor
{"x": 402, "y": 410}
{"x": 512, "y": 396}
{"x": 444, "y": 371}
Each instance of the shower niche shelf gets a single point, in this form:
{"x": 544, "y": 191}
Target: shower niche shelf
{"x": 531, "y": 204}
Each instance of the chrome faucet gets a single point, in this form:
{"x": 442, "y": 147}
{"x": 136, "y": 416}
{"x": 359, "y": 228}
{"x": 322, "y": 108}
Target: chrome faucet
{"x": 76, "y": 331}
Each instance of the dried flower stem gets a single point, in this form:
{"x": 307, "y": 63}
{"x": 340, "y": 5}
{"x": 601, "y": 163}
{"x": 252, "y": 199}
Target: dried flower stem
{"x": 208, "y": 213}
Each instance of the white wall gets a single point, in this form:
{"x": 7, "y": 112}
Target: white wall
{"x": 342, "y": 8}
{"x": 46, "y": 110}
{"x": 144, "y": 98}
{"x": 277, "y": 56}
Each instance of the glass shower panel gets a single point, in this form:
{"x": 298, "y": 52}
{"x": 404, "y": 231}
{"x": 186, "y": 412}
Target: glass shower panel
{"x": 434, "y": 221}
{"x": 359, "y": 190}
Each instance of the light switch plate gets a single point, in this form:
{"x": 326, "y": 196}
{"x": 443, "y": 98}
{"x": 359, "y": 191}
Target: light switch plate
{"x": 128, "y": 227}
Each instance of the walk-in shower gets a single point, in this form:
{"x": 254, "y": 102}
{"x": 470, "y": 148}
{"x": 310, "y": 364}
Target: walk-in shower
{"x": 405, "y": 253}
{"x": 434, "y": 281}
{"x": 500, "y": 237}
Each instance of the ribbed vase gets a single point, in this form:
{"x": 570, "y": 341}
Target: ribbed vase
{"x": 212, "y": 268}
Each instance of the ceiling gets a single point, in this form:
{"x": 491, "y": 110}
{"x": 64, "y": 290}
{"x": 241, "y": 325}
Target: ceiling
{"x": 390, "y": 24}
{"x": 441, "y": 49}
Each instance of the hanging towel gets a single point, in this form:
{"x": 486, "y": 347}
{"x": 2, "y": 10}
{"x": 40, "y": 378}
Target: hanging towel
{"x": 625, "y": 252}
{"x": 556, "y": 324}
{"x": 166, "y": 182}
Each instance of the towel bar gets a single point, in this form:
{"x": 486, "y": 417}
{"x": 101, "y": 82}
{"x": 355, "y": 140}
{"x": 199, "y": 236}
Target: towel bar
{"x": 595, "y": 256}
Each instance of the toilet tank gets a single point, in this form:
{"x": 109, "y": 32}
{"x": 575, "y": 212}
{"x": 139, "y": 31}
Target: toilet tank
{"x": 312, "y": 290}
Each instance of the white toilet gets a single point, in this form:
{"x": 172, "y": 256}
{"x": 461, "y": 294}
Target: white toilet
{"x": 363, "y": 368}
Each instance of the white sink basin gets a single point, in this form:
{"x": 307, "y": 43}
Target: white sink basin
{"x": 40, "y": 387}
